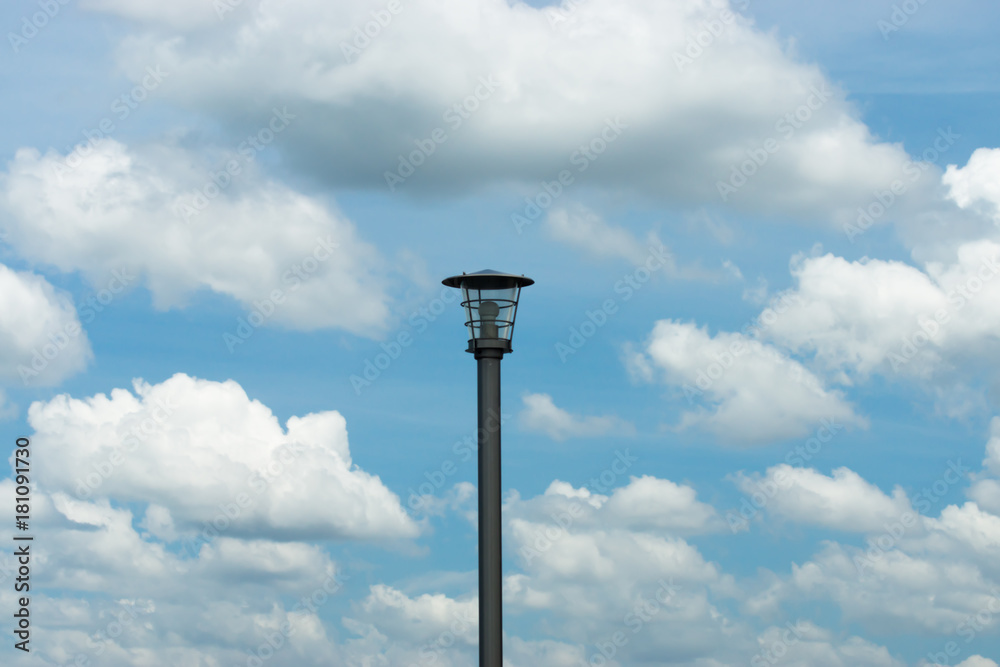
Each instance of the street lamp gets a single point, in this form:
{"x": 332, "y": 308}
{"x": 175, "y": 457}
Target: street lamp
{"x": 490, "y": 302}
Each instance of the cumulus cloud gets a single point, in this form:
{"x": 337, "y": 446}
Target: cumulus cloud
{"x": 541, "y": 414}
{"x": 842, "y": 501}
{"x": 41, "y": 339}
{"x": 913, "y": 572}
{"x": 364, "y": 105}
{"x": 595, "y": 564}
{"x": 589, "y": 562}
{"x": 751, "y": 392}
{"x": 644, "y": 503}
{"x": 889, "y": 317}
{"x": 421, "y": 619}
{"x": 804, "y": 643}
{"x": 146, "y": 604}
{"x": 896, "y": 589}
{"x": 612, "y": 567}
{"x": 147, "y": 209}
{"x": 204, "y": 454}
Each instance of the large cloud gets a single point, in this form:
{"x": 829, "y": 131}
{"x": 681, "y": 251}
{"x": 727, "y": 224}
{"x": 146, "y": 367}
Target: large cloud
{"x": 890, "y": 317}
{"x": 157, "y": 212}
{"x": 690, "y": 116}
{"x": 843, "y": 501}
{"x": 608, "y": 580}
{"x": 751, "y": 392}
{"x": 207, "y": 458}
{"x": 922, "y": 565}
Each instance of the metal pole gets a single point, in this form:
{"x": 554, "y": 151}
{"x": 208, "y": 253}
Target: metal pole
{"x": 490, "y": 583}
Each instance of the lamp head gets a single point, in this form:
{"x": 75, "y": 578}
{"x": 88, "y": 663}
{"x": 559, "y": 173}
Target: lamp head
{"x": 490, "y": 301}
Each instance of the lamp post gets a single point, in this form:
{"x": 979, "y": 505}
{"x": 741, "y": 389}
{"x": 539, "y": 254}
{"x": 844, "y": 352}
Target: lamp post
{"x": 490, "y": 302}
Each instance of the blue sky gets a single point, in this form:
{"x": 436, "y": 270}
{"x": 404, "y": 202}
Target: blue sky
{"x": 779, "y": 446}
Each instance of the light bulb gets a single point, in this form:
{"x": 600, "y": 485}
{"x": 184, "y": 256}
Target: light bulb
{"x": 488, "y": 311}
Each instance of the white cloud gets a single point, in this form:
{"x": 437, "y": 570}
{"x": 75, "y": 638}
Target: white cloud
{"x": 41, "y": 339}
{"x": 688, "y": 126}
{"x": 976, "y": 531}
{"x": 645, "y": 503}
{"x": 205, "y": 454}
{"x": 986, "y": 494}
{"x": 977, "y": 181}
{"x": 803, "y": 643}
{"x": 595, "y": 565}
{"x": 423, "y": 618}
{"x": 594, "y": 578}
{"x": 650, "y": 503}
{"x": 843, "y": 501}
{"x": 911, "y": 573}
{"x": 848, "y": 324}
{"x": 126, "y": 208}
{"x": 754, "y": 393}
{"x": 542, "y": 415}
{"x": 887, "y": 317}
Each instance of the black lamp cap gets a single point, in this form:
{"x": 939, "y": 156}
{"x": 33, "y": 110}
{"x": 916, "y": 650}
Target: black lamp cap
{"x": 488, "y": 280}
